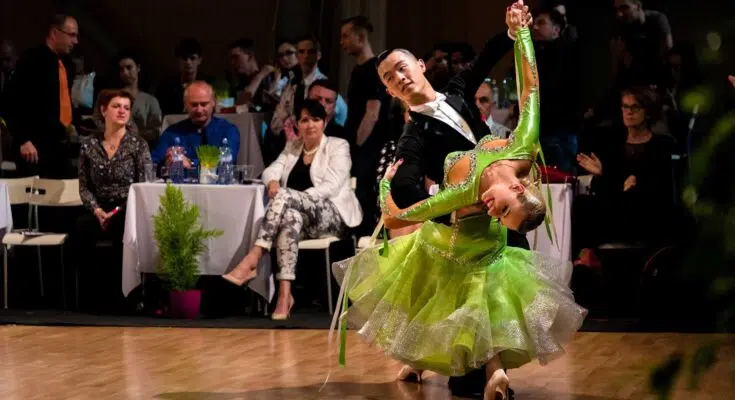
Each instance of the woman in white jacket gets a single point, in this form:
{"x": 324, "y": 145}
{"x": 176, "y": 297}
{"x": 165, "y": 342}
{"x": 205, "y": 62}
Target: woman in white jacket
{"x": 311, "y": 197}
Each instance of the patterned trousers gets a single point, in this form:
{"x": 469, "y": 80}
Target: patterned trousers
{"x": 292, "y": 216}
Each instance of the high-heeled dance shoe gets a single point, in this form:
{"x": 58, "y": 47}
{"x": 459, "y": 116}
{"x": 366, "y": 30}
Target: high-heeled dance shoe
{"x": 229, "y": 277}
{"x": 287, "y": 314}
{"x": 409, "y": 374}
{"x": 497, "y": 386}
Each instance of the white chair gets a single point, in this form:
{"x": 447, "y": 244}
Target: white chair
{"x": 324, "y": 244}
{"x": 40, "y": 192}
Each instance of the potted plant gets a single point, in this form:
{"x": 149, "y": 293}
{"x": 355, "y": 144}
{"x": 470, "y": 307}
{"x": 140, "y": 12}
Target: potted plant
{"x": 181, "y": 240}
{"x": 208, "y": 161}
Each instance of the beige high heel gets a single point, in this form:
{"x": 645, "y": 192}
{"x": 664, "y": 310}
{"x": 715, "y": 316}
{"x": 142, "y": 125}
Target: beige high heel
{"x": 283, "y": 317}
{"x": 497, "y": 386}
{"x": 407, "y": 373}
{"x": 239, "y": 282}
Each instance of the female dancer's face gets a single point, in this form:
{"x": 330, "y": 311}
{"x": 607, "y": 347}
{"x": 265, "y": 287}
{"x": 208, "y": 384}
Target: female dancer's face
{"x": 503, "y": 203}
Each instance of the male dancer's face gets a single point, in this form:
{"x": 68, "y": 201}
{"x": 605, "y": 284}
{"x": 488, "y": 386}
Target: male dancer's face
{"x": 403, "y": 75}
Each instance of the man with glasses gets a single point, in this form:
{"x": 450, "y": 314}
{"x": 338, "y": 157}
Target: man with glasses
{"x": 308, "y": 53}
{"x": 40, "y": 113}
{"x": 485, "y": 103}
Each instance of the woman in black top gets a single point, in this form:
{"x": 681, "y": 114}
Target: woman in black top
{"x": 633, "y": 173}
{"x": 109, "y": 163}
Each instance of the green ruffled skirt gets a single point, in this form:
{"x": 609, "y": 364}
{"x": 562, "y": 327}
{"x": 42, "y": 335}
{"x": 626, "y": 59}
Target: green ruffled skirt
{"x": 447, "y": 299}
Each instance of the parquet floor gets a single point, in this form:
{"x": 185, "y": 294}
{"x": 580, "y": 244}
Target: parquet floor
{"x": 222, "y": 364}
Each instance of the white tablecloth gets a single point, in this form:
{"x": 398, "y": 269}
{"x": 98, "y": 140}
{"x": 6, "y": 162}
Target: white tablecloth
{"x": 236, "y": 209}
{"x": 249, "y": 125}
{"x": 6, "y": 214}
{"x": 561, "y": 248}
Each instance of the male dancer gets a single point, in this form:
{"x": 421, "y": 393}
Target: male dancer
{"x": 441, "y": 123}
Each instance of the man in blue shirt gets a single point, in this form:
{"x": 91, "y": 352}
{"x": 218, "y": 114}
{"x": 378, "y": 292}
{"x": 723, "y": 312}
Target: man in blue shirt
{"x": 200, "y": 128}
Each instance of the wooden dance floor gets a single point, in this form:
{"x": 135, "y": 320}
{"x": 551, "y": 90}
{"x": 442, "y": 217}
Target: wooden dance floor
{"x": 221, "y": 364}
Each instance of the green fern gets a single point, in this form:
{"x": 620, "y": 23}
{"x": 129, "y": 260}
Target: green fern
{"x": 181, "y": 240}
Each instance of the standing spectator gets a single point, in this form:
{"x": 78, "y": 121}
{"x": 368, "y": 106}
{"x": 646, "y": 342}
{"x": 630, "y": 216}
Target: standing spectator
{"x": 7, "y": 69}
{"x": 369, "y": 105}
{"x": 558, "y": 67}
{"x": 40, "y": 115}
{"x": 641, "y": 40}
{"x": 170, "y": 93}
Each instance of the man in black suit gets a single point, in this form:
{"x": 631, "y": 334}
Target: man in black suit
{"x": 441, "y": 123}
{"x": 40, "y": 113}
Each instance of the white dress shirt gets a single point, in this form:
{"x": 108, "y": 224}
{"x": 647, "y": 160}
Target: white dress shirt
{"x": 441, "y": 110}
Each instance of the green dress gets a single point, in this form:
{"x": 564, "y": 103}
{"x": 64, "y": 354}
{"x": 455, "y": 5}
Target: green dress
{"x": 449, "y": 298}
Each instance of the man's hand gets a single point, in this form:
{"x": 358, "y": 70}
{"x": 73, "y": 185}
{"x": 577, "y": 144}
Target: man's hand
{"x": 29, "y": 152}
{"x": 184, "y": 159}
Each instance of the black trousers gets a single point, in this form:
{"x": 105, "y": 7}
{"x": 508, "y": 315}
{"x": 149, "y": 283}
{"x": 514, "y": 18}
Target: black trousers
{"x": 100, "y": 278}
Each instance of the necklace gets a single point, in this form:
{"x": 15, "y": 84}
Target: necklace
{"x": 310, "y": 152}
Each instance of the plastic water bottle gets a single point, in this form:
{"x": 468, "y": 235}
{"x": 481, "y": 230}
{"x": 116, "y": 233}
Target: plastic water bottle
{"x": 176, "y": 169}
{"x": 225, "y": 169}
{"x": 496, "y": 92}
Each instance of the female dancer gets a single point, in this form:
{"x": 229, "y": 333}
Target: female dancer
{"x": 453, "y": 298}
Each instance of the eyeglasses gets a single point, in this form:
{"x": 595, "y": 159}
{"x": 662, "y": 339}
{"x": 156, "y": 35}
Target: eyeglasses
{"x": 483, "y": 100}
{"x": 70, "y": 34}
{"x": 287, "y": 53}
{"x": 304, "y": 51}
{"x": 634, "y": 108}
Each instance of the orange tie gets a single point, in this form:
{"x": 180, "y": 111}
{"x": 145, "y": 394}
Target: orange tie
{"x": 64, "y": 97}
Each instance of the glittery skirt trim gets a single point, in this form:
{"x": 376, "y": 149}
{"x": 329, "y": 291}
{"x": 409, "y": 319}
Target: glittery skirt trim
{"x": 433, "y": 310}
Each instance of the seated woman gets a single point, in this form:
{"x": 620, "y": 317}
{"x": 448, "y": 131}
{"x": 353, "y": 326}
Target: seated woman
{"x": 109, "y": 162}
{"x": 633, "y": 176}
{"x": 470, "y": 298}
{"x": 309, "y": 185}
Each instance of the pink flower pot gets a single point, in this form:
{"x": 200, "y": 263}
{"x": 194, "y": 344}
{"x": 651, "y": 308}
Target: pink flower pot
{"x": 185, "y": 304}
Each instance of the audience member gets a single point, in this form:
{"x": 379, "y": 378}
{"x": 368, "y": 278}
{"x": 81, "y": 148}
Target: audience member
{"x": 147, "y": 117}
{"x": 308, "y": 53}
{"x": 462, "y": 56}
{"x": 309, "y": 185}
{"x": 40, "y": 115}
{"x": 368, "y": 104}
{"x": 641, "y": 40}
{"x": 249, "y": 83}
{"x": 201, "y": 127}
{"x": 570, "y": 31}
{"x": 287, "y": 61}
{"x": 486, "y": 105}
{"x": 325, "y": 92}
{"x": 632, "y": 175}
{"x": 109, "y": 162}
{"x": 171, "y": 92}
{"x": 7, "y": 69}
{"x": 561, "y": 111}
